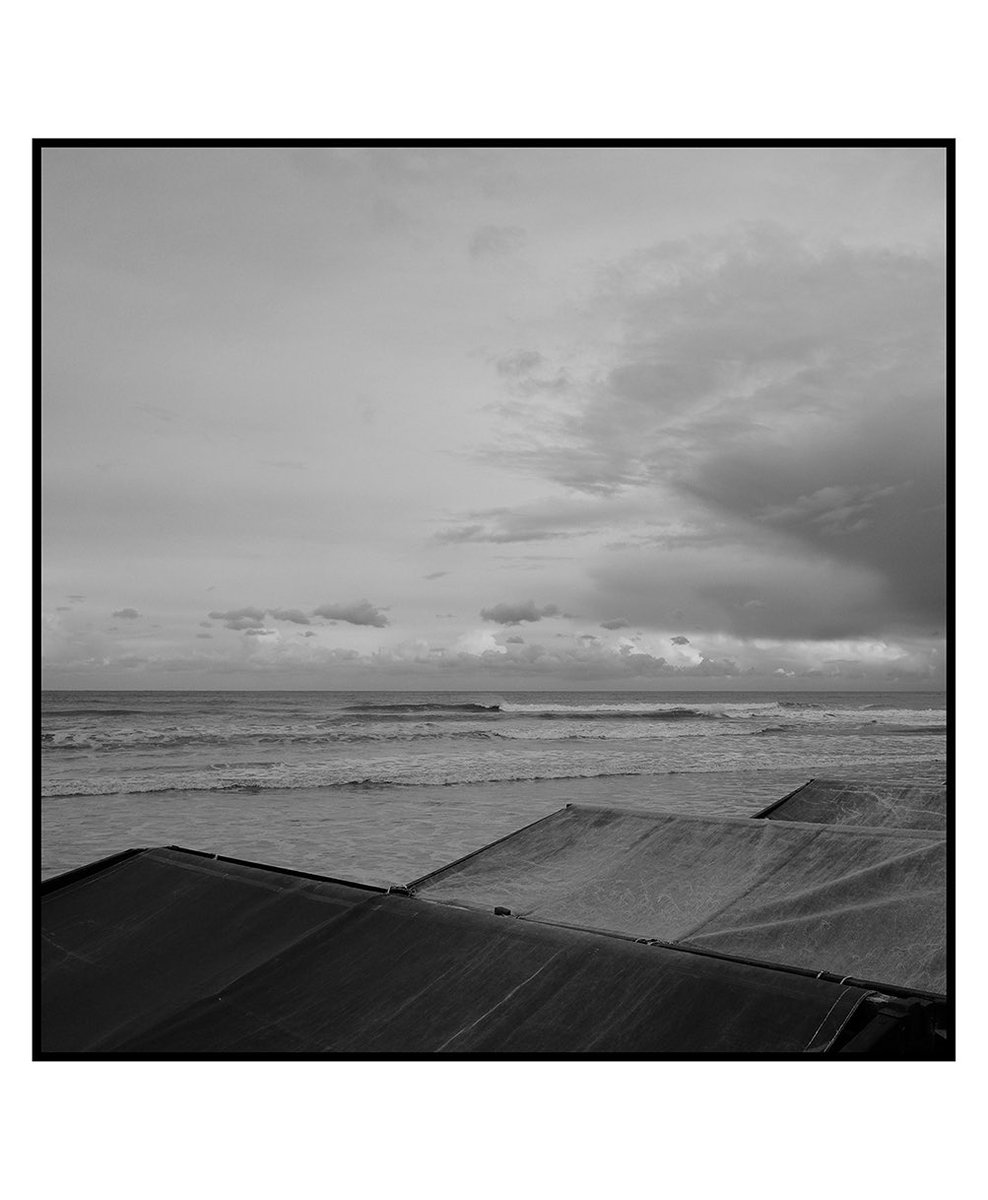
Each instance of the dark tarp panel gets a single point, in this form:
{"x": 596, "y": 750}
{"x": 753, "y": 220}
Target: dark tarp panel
{"x": 854, "y": 902}
{"x": 403, "y": 976}
{"x": 847, "y": 802}
{"x": 173, "y": 953}
{"x": 125, "y": 946}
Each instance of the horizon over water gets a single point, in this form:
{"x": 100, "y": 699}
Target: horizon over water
{"x": 384, "y": 786}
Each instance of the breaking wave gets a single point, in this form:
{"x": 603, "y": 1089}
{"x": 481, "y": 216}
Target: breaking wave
{"x": 421, "y": 707}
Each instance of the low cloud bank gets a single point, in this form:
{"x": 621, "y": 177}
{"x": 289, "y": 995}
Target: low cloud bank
{"x": 489, "y": 660}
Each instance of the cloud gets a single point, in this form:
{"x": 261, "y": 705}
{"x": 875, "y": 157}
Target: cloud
{"x": 514, "y": 614}
{"x": 360, "y": 612}
{"x": 77, "y": 599}
{"x": 295, "y": 615}
{"x": 481, "y": 533}
{"x": 240, "y": 618}
{"x": 496, "y": 241}
{"x": 260, "y": 632}
{"x": 491, "y": 659}
{"x": 833, "y": 510}
{"x": 436, "y": 575}
{"x": 546, "y": 519}
{"x": 253, "y": 618}
{"x": 462, "y": 533}
{"x": 679, "y": 640}
{"x": 572, "y": 660}
{"x": 239, "y": 614}
{"x": 204, "y": 635}
{"x": 615, "y": 623}
{"x": 127, "y": 614}
{"x": 528, "y": 375}
{"x": 521, "y": 362}
{"x": 753, "y": 589}
{"x": 772, "y": 398}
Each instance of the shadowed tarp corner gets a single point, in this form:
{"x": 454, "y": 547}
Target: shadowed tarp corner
{"x": 855, "y": 902}
{"x": 851, "y": 802}
{"x": 167, "y": 951}
{"x": 131, "y": 943}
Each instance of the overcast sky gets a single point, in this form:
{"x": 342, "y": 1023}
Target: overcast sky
{"x": 493, "y": 418}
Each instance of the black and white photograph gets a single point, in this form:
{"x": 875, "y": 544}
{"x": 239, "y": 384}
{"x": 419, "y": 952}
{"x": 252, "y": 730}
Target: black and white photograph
{"x": 494, "y": 599}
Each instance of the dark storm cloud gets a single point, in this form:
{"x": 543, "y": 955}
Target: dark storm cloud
{"x": 514, "y": 614}
{"x": 679, "y": 640}
{"x": 751, "y": 590}
{"x": 128, "y": 614}
{"x": 792, "y": 395}
{"x": 496, "y": 240}
{"x": 360, "y": 612}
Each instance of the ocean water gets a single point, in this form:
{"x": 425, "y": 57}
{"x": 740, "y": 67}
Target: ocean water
{"x": 381, "y": 787}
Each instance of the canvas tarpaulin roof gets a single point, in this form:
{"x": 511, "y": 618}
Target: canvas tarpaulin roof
{"x": 128, "y": 944}
{"x": 168, "y": 951}
{"x": 847, "y": 802}
{"x": 855, "y": 902}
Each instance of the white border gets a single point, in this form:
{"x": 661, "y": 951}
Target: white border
{"x": 513, "y": 70}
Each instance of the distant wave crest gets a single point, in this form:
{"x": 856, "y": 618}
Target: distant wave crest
{"x": 436, "y": 706}
{"x": 605, "y": 712}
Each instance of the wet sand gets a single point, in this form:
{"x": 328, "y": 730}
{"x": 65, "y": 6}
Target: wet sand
{"x": 395, "y": 834}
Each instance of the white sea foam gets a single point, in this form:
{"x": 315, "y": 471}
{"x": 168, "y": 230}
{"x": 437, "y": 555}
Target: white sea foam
{"x": 358, "y": 785}
{"x": 112, "y": 743}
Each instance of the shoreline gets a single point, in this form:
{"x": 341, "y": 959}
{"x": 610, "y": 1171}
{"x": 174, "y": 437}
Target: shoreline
{"x": 380, "y": 834}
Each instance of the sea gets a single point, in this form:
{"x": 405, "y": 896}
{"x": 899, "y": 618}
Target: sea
{"x": 383, "y": 787}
